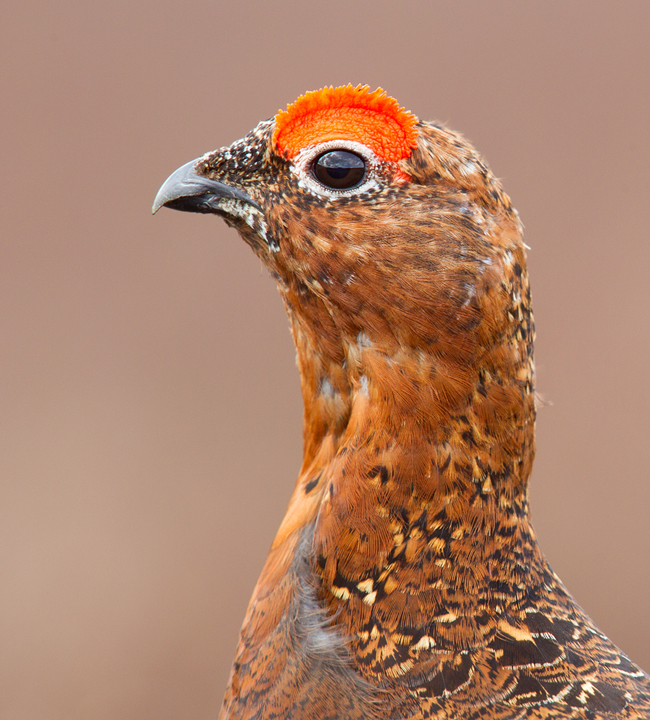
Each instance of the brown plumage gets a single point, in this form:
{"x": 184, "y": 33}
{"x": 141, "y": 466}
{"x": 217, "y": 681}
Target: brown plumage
{"x": 405, "y": 580}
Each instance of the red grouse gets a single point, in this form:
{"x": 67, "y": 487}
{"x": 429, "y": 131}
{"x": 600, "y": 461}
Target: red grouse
{"x": 405, "y": 580}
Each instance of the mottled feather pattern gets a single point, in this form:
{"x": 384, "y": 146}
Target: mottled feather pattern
{"x": 406, "y": 580}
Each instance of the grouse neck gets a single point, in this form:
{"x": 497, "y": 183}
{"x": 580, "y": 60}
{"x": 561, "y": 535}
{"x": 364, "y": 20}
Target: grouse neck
{"x": 422, "y": 521}
{"x": 448, "y": 427}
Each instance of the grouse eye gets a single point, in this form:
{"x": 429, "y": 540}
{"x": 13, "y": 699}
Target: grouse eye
{"x": 339, "y": 169}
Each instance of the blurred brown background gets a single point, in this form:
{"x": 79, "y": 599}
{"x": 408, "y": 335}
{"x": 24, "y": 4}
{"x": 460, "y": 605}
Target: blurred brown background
{"x": 150, "y": 413}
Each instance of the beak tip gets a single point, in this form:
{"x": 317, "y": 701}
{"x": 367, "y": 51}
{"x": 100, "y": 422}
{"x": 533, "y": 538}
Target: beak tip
{"x": 157, "y": 203}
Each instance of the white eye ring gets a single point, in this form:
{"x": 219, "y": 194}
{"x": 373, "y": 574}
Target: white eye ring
{"x": 302, "y": 167}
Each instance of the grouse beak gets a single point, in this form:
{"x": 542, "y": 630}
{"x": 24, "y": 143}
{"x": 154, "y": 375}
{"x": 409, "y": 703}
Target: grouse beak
{"x": 185, "y": 190}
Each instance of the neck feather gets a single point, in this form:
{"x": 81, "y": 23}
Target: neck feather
{"x": 416, "y": 465}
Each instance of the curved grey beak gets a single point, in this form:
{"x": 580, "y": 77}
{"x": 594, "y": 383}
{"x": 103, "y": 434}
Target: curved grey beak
{"x": 185, "y": 190}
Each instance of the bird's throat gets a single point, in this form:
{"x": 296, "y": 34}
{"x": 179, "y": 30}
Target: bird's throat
{"x": 413, "y": 490}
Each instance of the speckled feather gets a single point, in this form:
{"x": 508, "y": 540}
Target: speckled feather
{"x": 406, "y": 580}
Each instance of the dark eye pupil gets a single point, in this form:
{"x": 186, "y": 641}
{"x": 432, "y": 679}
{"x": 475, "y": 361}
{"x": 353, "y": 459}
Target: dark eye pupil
{"x": 339, "y": 169}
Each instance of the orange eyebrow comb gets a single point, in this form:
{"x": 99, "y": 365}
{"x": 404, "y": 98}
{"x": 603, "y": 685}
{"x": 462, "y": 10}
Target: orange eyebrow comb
{"x": 346, "y": 113}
